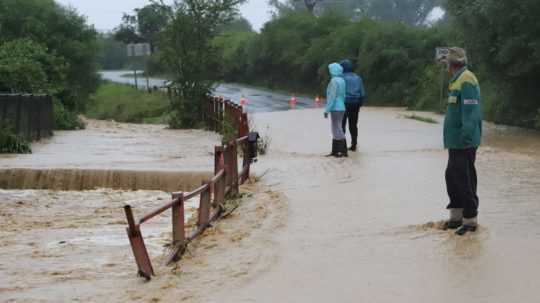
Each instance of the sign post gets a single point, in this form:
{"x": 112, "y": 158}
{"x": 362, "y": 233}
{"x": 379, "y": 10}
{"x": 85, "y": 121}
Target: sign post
{"x": 441, "y": 56}
{"x": 139, "y": 50}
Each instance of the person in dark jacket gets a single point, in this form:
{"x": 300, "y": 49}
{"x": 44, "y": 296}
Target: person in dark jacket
{"x": 462, "y": 136}
{"x": 353, "y": 100}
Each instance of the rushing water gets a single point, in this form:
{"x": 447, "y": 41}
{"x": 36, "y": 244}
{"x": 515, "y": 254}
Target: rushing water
{"x": 361, "y": 229}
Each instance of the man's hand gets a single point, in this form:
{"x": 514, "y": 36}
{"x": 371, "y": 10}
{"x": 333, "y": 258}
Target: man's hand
{"x": 326, "y": 115}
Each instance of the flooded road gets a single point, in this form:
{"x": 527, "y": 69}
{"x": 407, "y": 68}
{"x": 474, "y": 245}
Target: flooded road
{"x": 318, "y": 229}
{"x": 363, "y": 229}
{"x": 258, "y": 100}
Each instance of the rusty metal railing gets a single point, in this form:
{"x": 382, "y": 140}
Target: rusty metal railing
{"x": 220, "y": 111}
{"x": 212, "y": 195}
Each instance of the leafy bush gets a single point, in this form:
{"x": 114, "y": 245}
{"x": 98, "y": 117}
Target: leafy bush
{"x": 57, "y": 55}
{"x": 65, "y": 119}
{"x": 10, "y": 142}
{"x": 27, "y": 67}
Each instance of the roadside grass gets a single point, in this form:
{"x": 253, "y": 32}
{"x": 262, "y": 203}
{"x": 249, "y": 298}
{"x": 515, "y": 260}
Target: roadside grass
{"x": 124, "y": 103}
{"x": 10, "y": 142}
{"x": 421, "y": 119}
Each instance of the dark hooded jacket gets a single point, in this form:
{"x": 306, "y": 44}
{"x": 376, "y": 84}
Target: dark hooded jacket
{"x": 353, "y": 82}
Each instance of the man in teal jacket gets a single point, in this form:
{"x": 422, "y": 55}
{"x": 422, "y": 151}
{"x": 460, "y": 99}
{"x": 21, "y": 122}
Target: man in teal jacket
{"x": 462, "y": 136}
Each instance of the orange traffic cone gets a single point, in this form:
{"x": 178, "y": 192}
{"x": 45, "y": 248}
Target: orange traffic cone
{"x": 292, "y": 101}
{"x": 317, "y": 101}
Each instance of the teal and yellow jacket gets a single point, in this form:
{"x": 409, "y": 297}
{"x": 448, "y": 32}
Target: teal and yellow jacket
{"x": 463, "y": 121}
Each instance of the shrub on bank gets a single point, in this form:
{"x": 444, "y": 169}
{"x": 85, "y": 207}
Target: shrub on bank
{"x": 10, "y": 142}
{"x": 65, "y": 119}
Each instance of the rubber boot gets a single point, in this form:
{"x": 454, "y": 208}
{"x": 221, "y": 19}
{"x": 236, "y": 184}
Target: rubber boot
{"x": 345, "y": 152}
{"x": 353, "y": 147}
{"x": 469, "y": 225}
{"x": 342, "y": 149}
{"x": 455, "y": 220}
{"x": 334, "y": 149}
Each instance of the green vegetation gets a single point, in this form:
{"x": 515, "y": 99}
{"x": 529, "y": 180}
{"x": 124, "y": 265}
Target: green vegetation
{"x": 112, "y": 53}
{"x": 186, "y": 49}
{"x": 10, "y": 142}
{"x": 413, "y": 12}
{"x": 293, "y": 52}
{"x": 421, "y": 119}
{"x": 506, "y": 51}
{"x": 124, "y": 103}
{"x": 389, "y": 40}
{"x": 396, "y": 59}
{"x": 47, "y": 48}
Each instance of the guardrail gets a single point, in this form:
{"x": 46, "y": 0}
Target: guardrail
{"x": 212, "y": 193}
{"x": 220, "y": 111}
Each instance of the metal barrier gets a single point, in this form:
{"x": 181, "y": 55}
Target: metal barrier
{"x": 220, "y": 111}
{"x": 31, "y": 116}
{"x": 212, "y": 195}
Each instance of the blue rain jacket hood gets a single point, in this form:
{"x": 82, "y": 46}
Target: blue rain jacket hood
{"x": 335, "y": 92}
{"x": 347, "y": 66}
{"x": 355, "y": 92}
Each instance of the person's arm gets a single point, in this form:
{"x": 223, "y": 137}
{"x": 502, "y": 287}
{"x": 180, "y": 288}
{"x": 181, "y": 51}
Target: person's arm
{"x": 469, "y": 113}
{"x": 331, "y": 93}
{"x": 361, "y": 87}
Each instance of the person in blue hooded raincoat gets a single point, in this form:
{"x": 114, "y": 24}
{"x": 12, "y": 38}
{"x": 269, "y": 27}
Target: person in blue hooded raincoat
{"x": 335, "y": 107}
{"x": 354, "y": 99}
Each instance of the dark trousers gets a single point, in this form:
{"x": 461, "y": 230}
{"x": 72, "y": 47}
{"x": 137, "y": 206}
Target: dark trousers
{"x": 351, "y": 114}
{"x": 461, "y": 181}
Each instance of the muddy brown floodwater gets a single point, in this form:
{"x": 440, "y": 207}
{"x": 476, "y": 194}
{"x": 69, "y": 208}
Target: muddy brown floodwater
{"x": 363, "y": 229}
{"x": 315, "y": 229}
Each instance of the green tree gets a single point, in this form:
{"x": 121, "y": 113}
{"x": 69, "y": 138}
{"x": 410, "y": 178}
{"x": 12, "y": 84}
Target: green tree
{"x": 64, "y": 34}
{"x": 413, "y": 12}
{"x": 503, "y": 40}
{"x": 112, "y": 53}
{"x": 188, "y": 51}
{"x": 27, "y": 67}
{"x": 145, "y": 25}
{"x": 238, "y": 24}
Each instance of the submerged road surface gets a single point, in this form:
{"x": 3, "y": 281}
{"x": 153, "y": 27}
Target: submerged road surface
{"x": 258, "y": 100}
{"x": 364, "y": 229}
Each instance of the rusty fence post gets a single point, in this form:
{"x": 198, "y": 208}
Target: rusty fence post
{"x": 246, "y": 161}
{"x": 218, "y": 159}
{"x": 212, "y": 106}
{"x": 234, "y": 169}
{"x": 178, "y": 229}
{"x": 137, "y": 245}
{"x": 204, "y": 206}
{"x": 245, "y": 125}
{"x": 227, "y": 156}
{"x": 219, "y": 192}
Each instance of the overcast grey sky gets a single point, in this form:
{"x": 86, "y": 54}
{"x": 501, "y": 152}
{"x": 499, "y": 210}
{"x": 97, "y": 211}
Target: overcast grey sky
{"x": 107, "y": 14}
